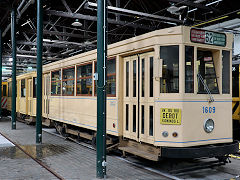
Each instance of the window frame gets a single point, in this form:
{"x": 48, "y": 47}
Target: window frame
{"x": 56, "y": 81}
{"x": 22, "y": 89}
{"x": 107, "y": 75}
{"x": 62, "y": 80}
{"x": 83, "y": 64}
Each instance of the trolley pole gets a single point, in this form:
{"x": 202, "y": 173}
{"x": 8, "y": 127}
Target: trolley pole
{"x": 101, "y": 83}
{"x": 39, "y": 71}
{"x": 1, "y": 72}
{"x": 14, "y": 58}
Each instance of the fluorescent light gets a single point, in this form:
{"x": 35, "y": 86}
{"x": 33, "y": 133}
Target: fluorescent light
{"x": 214, "y": 2}
{"x": 10, "y": 59}
{"x": 192, "y": 10}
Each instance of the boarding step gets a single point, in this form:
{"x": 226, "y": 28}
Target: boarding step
{"x": 140, "y": 149}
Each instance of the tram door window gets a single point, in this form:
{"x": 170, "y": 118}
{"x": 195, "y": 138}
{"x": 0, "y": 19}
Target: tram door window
{"x": 189, "y": 69}
{"x": 235, "y": 80}
{"x": 4, "y": 92}
{"x": 138, "y": 98}
{"x": 169, "y": 83}
{"x": 10, "y": 89}
{"x": 225, "y": 72}
{"x": 23, "y": 88}
{"x": 206, "y": 71}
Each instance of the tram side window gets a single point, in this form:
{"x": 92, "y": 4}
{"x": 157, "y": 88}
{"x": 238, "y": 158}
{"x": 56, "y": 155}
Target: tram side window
{"x": 225, "y": 72}
{"x": 189, "y": 69}
{"x": 84, "y": 79}
{"x": 169, "y": 82}
{"x": 111, "y": 77}
{"x": 206, "y": 73}
{"x": 68, "y": 81}
{"x": 56, "y": 83}
{"x": 4, "y": 92}
{"x": 23, "y": 88}
{"x": 235, "y": 80}
{"x": 10, "y": 89}
{"x": 34, "y": 87}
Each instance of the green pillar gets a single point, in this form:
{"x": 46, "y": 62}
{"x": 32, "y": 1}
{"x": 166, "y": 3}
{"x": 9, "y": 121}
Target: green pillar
{"x": 39, "y": 71}
{"x": 0, "y": 72}
{"x": 101, "y": 93}
{"x": 14, "y": 92}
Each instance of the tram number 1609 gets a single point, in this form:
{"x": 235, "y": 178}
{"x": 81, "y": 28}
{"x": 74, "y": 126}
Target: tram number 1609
{"x": 208, "y": 109}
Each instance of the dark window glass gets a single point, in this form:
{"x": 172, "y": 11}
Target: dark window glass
{"x": 151, "y": 77}
{"x": 189, "y": 69}
{"x": 151, "y": 120}
{"x": 68, "y": 81}
{"x": 34, "y": 87}
{"x": 143, "y": 76}
{"x": 4, "y": 93}
{"x": 111, "y": 77}
{"x": 134, "y": 79}
{"x": 84, "y": 79}
{"x": 142, "y": 119}
{"x": 206, "y": 72}
{"x": 226, "y": 72}
{"x": 127, "y": 79}
{"x": 10, "y": 89}
{"x": 134, "y": 117}
{"x": 56, "y": 83}
{"x": 235, "y": 80}
{"x": 169, "y": 82}
{"x": 127, "y": 116}
{"x": 23, "y": 88}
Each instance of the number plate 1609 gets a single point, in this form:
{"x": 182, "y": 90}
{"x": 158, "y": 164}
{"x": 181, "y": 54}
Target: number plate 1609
{"x": 208, "y": 109}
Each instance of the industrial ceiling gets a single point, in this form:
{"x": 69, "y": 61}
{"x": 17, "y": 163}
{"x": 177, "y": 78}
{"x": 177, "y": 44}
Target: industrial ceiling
{"x": 70, "y": 26}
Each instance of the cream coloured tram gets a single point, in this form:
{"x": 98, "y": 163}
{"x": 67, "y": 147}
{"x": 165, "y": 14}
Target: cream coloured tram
{"x": 168, "y": 94}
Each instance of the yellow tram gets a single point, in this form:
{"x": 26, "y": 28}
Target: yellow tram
{"x": 168, "y": 94}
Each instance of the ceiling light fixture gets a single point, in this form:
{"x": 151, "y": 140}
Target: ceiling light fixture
{"x": 76, "y": 23}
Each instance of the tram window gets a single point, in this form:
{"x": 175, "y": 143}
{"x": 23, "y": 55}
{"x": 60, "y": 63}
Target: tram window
{"x": 235, "y": 80}
{"x": 111, "y": 78}
{"x": 151, "y": 120}
{"x": 127, "y": 79}
{"x": 34, "y": 87}
{"x": 142, "y": 120}
{"x": 68, "y": 81}
{"x": 23, "y": 88}
{"x": 127, "y": 116}
{"x": 189, "y": 69}
{"x": 143, "y": 74}
{"x": 84, "y": 79}
{"x": 206, "y": 72}
{"x": 134, "y": 78}
{"x": 56, "y": 83}
{"x": 10, "y": 89}
{"x": 169, "y": 82}
{"x": 226, "y": 72}
{"x": 151, "y": 77}
{"x": 4, "y": 92}
{"x": 134, "y": 117}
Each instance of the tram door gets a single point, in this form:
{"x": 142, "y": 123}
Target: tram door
{"x": 138, "y": 97}
{"x": 46, "y": 94}
{"x": 29, "y": 81}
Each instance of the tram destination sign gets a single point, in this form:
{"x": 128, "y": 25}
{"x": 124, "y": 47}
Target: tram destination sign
{"x": 208, "y": 37}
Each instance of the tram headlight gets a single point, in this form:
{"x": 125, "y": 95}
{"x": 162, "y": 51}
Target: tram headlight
{"x": 208, "y": 125}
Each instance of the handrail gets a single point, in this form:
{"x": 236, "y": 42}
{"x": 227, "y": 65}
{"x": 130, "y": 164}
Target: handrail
{"x": 206, "y": 87}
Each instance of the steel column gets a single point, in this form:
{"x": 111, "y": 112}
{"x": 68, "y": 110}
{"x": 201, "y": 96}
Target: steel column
{"x": 0, "y": 72}
{"x": 101, "y": 83}
{"x": 14, "y": 91}
{"x": 39, "y": 71}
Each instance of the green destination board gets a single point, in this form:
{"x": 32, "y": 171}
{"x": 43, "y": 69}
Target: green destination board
{"x": 208, "y": 37}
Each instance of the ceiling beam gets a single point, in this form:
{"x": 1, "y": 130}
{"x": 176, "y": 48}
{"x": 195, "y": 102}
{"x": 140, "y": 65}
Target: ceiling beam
{"x": 195, "y": 5}
{"x": 94, "y": 18}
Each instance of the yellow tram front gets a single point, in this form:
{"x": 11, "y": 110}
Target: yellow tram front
{"x": 184, "y": 101}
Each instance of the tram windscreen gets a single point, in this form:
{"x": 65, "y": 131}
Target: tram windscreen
{"x": 235, "y": 80}
{"x": 206, "y": 72}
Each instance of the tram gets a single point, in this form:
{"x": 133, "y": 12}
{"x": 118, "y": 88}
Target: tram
{"x": 4, "y": 97}
{"x": 169, "y": 94}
